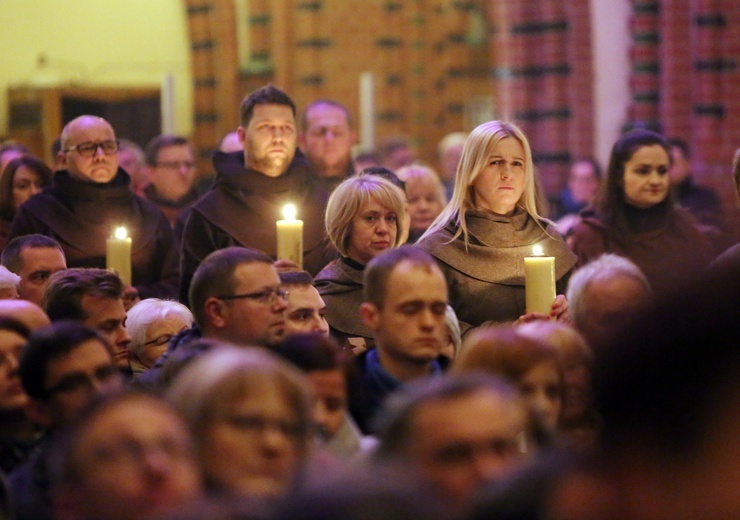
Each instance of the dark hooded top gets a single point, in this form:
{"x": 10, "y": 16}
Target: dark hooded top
{"x": 242, "y": 209}
{"x": 486, "y": 280}
{"x": 82, "y": 215}
{"x": 663, "y": 241}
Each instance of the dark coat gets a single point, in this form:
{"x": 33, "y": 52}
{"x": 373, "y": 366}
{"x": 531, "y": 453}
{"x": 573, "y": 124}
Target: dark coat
{"x": 82, "y": 215}
{"x": 242, "y": 209}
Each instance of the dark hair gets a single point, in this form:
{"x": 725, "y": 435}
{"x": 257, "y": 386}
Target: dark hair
{"x": 13, "y": 147}
{"x": 295, "y": 278}
{"x": 39, "y": 167}
{"x": 385, "y": 173}
{"x": 380, "y": 268}
{"x": 11, "y": 256}
{"x": 311, "y": 352}
{"x": 63, "y": 296}
{"x": 610, "y": 201}
{"x": 269, "y": 94}
{"x": 12, "y": 324}
{"x": 151, "y": 152}
{"x": 47, "y": 344}
{"x": 329, "y": 102}
{"x": 214, "y": 276}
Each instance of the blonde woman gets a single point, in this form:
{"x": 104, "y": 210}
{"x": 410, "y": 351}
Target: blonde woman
{"x": 426, "y": 197}
{"x": 491, "y": 223}
{"x": 363, "y": 218}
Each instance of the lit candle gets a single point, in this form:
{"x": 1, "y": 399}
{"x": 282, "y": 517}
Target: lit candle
{"x": 290, "y": 237}
{"x": 118, "y": 254}
{"x": 539, "y": 281}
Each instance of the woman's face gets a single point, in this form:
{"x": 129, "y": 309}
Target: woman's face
{"x": 26, "y": 183}
{"x": 541, "y": 388}
{"x": 646, "y": 176}
{"x": 500, "y": 184}
{"x": 254, "y": 445}
{"x": 424, "y": 203}
{"x": 374, "y": 230}
{"x": 158, "y": 336}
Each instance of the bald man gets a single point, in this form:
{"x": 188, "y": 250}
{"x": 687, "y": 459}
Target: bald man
{"x": 89, "y": 199}
{"x": 26, "y": 312}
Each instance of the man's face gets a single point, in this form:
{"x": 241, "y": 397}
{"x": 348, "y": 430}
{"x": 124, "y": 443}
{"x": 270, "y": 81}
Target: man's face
{"x": 174, "y": 174}
{"x": 410, "y": 326}
{"x": 330, "y": 407}
{"x": 99, "y": 167}
{"x": 306, "y": 311}
{"x": 269, "y": 140}
{"x": 38, "y": 264}
{"x": 12, "y": 395}
{"x": 462, "y": 442}
{"x": 107, "y": 316}
{"x": 327, "y": 140}
{"x": 135, "y": 460}
{"x": 258, "y": 318}
{"x": 583, "y": 182}
{"x": 74, "y": 379}
{"x": 252, "y": 447}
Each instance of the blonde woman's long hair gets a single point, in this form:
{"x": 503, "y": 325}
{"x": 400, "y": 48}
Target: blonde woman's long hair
{"x": 477, "y": 149}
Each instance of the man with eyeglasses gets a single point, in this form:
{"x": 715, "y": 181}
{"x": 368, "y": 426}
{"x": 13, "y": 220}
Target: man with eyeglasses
{"x": 253, "y": 185}
{"x": 89, "y": 199}
{"x": 63, "y": 367}
{"x": 171, "y": 172}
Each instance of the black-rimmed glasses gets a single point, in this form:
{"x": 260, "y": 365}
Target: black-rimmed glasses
{"x": 109, "y": 147}
{"x": 265, "y": 296}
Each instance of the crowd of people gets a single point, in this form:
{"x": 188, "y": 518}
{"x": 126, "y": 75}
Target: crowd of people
{"x": 395, "y": 373}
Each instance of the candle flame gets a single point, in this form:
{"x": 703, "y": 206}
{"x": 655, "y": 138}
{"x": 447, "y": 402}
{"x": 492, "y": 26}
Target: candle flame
{"x": 120, "y": 233}
{"x": 537, "y": 250}
{"x": 289, "y": 212}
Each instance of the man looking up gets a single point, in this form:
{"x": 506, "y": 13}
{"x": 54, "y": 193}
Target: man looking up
{"x": 326, "y": 138}
{"x": 91, "y": 198}
{"x": 251, "y": 188}
{"x": 34, "y": 258}
{"x": 171, "y": 172}
{"x": 405, "y": 297}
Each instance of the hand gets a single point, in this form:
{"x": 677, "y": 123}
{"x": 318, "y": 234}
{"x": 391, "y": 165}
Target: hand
{"x": 559, "y": 312}
{"x": 560, "y": 309}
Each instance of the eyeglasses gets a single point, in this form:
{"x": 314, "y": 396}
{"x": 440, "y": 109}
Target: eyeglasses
{"x": 109, "y": 147}
{"x": 176, "y": 164}
{"x": 266, "y": 296}
{"x": 257, "y": 425}
{"x": 160, "y": 340}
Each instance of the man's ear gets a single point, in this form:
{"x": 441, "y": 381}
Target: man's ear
{"x": 38, "y": 412}
{"x": 302, "y": 141}
{"x": 370, "y": 315}
{"x": 216, "y": 312}
{"x": 241, "y": 133}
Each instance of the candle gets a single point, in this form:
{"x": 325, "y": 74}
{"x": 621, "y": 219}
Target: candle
{"x": 118, "y": 254}
{"x": 539, "y": 281}
{"x": 290, "y": 237}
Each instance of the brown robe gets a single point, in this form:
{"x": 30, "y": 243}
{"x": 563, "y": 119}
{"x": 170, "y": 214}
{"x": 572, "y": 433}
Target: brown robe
{"x": 486, "y": 281}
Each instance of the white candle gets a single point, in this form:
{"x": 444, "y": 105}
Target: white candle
{"x": 539, "y": 281}
{"x": 290, "y": 237}
{"x": 118, "y": 254}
